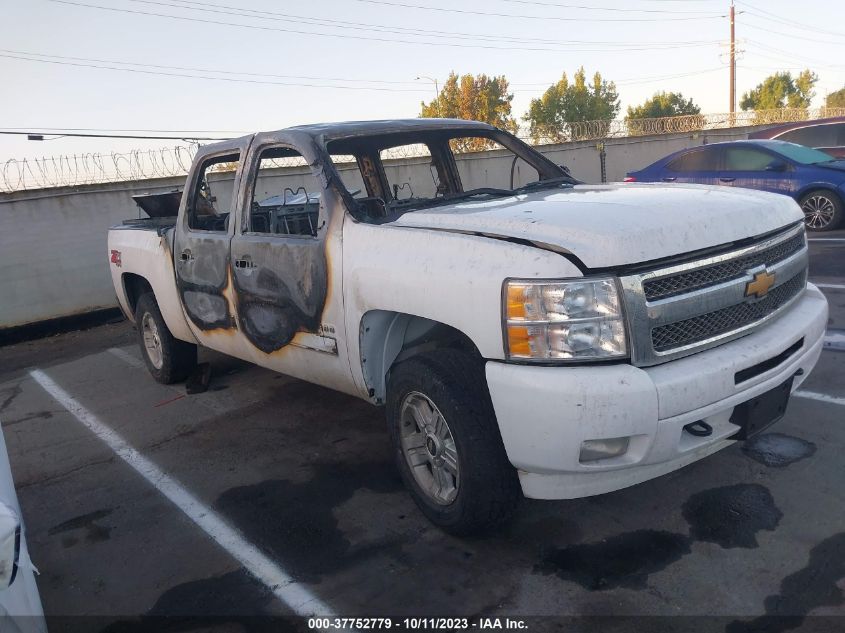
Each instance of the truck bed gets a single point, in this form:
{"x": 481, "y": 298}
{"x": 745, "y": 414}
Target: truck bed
{"x": 159, "y": 225}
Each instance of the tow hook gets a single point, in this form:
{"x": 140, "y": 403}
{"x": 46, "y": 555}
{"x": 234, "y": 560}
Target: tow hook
{"x": 699, "y": 428}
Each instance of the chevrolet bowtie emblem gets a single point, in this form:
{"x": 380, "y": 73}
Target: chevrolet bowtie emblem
{"x": 760, "y": 285}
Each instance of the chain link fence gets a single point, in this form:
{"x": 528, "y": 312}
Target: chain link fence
{"x": 97, "y": 168}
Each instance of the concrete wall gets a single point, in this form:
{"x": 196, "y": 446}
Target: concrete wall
{"x": 53, "y": 256}
{"x": 53, "y": 250}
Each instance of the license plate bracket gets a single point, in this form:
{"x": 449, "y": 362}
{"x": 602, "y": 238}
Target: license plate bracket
{"x": 757, "y": 414}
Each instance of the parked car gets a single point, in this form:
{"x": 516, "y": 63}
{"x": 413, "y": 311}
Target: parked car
{"x": 827, "y": 135}
{"x": 20, "y": 604}
{"x": 811, "y": 177}
{"x": 525, "y": 334}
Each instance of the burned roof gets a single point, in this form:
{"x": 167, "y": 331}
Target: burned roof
{"x": 346, "y": 129}
{"x": 348, "y": 137}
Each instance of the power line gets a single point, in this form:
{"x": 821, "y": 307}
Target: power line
{"x": 792, "y": 35}
{"x": 497, "y": 37}
{"x": 64, "y": 130}
{"x": 346, "y": 36}
{"x": 791, "y": 58}
{"x": 628, "y": 82}
{"x": 144, "y": 68}
{"x": 132, "y": 136}
{"x": 531, "y": 17}
{"x": 594, "y": 8}
{"x": 193, "y": 76}
{"x": 207, "y": 70}
{"x": 790, "y": 22}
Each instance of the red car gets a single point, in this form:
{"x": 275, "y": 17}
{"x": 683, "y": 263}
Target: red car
{"x": 827, "y": 135}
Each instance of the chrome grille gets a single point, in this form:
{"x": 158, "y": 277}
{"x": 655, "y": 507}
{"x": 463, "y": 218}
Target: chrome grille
{"x": 705, "y": 326}
{"x": 672, "y": 285}
{"x": 685, "y": 308}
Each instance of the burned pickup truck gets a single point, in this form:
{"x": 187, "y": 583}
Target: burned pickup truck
{"x": 526, "y": 334}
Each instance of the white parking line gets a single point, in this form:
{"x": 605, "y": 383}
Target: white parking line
{"x": 821, "y": 397}
{"x": 832, "y": 286}
{"x": 298, "y": 598}
{"x": 826, "y": 239}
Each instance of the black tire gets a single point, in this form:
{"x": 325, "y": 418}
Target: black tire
{"x": 178, "y": 358}
{"x": 488, "y": 491}
{"x": 822, "y": 209}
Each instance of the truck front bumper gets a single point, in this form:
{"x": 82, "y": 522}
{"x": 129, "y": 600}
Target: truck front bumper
{"x": 545, "y": 414}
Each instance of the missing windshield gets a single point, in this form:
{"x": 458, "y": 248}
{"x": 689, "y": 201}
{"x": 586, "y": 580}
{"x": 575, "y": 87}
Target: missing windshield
{"x": 405, "y": 171}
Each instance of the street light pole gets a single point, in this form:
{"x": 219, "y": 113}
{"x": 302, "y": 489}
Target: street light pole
{"x": 732, "y": 87}
{"x": 436, "y": 92}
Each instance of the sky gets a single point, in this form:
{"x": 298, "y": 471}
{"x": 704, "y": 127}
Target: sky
{"x": 225, "y": 67}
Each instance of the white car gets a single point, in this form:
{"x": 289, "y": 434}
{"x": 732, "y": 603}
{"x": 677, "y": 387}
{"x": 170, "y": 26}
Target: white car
{"x": 526, "y": 334}
{"x": 20, "y": 604}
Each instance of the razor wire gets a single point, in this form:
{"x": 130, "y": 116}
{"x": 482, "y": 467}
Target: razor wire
{"x": 95, "y": 168}
{"x": 99, "y": 168}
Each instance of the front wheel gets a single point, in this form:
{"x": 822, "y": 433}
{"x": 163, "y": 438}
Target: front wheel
{"x": 822, "y": 210}
{"x": 167, "y": 358}
{"x": 447, "y": 442}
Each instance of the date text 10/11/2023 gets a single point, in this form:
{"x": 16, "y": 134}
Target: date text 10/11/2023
{"x": 445, "y": 624}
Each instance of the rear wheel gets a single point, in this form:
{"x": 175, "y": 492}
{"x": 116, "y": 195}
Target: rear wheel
{"x": 822, "y": 210}
{"x": 167, "y": 358}
{"x": 447, "y": 442}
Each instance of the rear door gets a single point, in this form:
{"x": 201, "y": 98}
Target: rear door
{"x": 755, "y": 168}
{"x": 201, "y": 245}
{"x": 700, "y": 166}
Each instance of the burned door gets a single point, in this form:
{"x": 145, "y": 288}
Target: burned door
{"x": 201, "y": 248}
{"x": 281, "y": 257}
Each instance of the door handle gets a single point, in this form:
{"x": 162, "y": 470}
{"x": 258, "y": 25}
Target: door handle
{"x": 669, "y": 179}
{"x": 726, "y": 179}
{"x": 186, "y": 255}
{"x": 245, "y": 262}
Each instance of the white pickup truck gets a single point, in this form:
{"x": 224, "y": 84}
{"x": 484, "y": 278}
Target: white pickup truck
{"x": 527, "y": 334}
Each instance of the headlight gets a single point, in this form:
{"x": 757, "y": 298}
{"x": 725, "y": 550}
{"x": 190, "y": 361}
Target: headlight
{"x": 566, "y": 320}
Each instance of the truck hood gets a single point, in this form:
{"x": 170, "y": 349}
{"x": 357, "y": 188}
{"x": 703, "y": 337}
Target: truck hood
{"x": 617, "y": 224}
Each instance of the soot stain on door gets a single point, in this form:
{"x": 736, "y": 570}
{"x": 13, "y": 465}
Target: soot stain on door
{"x": 286, "y": 294}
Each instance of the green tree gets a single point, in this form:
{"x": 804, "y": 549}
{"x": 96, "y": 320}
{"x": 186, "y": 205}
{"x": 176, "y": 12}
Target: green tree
{"x": 781, "y": 90}
{"x": 648, "y": 118}
{"x": 663, "y": 104}
{"x": 475, "y": 98}
{"x": 835, "y": 99}
{"x": 551, "y": 115}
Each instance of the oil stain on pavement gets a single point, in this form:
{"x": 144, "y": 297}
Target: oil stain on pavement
{"x": 778, "y": 450}
{"x": 94, "y": 532}
{"x": 813, "y": 586}
{"x": 625, "y": 560}
{"x": 209, "y": 604}
{"x": 294, "y": 522}
{"x": 731, "y": 516}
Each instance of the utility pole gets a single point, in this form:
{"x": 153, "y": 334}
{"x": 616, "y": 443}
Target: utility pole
{"x": 732, "y": 109}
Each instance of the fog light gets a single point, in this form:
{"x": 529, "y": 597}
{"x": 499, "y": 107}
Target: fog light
{"x": 594, "y": 450}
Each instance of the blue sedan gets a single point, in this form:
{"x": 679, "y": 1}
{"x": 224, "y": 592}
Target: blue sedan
{"x": 814, "y": 179}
